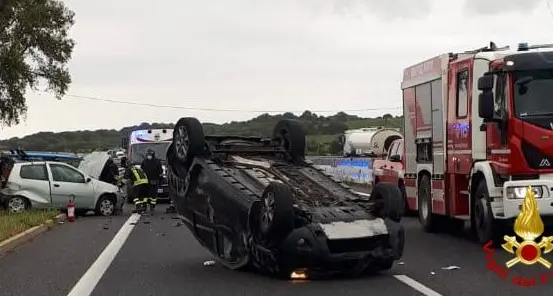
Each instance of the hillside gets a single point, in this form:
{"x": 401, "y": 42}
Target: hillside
{"x": 323, "y": 132}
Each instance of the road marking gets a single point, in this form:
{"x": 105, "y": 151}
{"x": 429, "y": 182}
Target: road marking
{"x": 416, "y": 285}
{"x": 362, "y": 193}
{"x": 86, "y": 284}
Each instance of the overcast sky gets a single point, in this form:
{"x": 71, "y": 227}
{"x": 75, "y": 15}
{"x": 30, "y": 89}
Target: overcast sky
{"x": 262, "y": 55}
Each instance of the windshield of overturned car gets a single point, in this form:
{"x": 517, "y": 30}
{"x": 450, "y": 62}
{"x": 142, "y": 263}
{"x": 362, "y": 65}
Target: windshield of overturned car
{"x": 532, "y": 94}
{"x": 139, "y": 151}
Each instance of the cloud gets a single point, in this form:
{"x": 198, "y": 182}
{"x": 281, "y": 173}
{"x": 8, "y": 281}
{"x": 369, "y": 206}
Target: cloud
{"x": 487, "y": 7}
{"x": 388, "y": 10}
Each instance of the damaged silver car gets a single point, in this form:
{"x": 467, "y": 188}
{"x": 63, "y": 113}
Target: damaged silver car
{"x": 30, "y": 184}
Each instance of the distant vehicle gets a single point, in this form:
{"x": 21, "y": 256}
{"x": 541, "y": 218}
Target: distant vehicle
{"x": 258, "y": 203}
{"x": 137, "y": 145}
{"x": 47, "y": 184}
{"x": 372, "y": 141}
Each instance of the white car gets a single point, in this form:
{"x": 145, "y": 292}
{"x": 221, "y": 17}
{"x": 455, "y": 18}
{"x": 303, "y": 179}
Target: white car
{"x": 50, "y": 184}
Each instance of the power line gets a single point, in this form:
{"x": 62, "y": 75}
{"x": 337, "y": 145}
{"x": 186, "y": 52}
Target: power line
{"x": 219, "y": 110}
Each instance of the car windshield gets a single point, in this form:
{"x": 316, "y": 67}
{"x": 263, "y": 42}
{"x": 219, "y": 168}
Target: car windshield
{"x": 532, "y": 93}
{"x": 138, "y": 151}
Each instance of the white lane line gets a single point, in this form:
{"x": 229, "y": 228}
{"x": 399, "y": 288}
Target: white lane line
{"x": 362, "y": 193}
{"x": 416, "y": 285}
{"x": 86, "y": 284}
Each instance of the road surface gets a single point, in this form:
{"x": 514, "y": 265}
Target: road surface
{"x": 160, "y": 257}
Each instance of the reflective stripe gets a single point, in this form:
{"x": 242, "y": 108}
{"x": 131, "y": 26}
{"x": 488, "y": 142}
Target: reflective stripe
{"x": 140, "y": 178}
{"x": 152, "y": 201}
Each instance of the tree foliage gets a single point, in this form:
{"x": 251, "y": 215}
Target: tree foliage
{"x": 34, "y": 50}
{"x": 322, "y": 132}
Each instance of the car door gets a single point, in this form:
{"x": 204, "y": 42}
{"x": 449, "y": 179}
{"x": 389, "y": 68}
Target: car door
{"x": 387, "y": 166}
{"x": 34, "y": 180}
{"x": 69, "y": 183}
{"x": 395, "y": 163}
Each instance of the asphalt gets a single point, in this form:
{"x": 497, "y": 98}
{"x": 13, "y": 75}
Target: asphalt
{"x": 162, "y": 258}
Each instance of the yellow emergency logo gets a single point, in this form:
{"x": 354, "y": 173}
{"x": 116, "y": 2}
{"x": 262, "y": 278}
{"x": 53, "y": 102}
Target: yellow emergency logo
{"x": 528, "y": 227}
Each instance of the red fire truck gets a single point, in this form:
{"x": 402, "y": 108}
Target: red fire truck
{"x": 478, "y": 132}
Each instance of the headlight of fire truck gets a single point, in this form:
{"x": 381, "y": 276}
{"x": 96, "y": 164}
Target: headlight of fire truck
{"x": 520, "y": 192}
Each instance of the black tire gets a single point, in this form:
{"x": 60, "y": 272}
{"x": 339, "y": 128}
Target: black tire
{"x": 188, "y": 140}
{"x": 106, "y": 205}
{"x": 426, "y": 218}
{"x": 406, "y": 210}
{"x": 290, "y": 136}
{"x": 277, "y": 212}
{"x": 486, "y": 227}
{"x": 388, "y": 202}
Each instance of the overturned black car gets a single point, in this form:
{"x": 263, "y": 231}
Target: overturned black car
{"x": 258, "y": 203}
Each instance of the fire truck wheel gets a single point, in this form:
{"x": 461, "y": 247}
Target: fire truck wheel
{"x": 483, "y": 223}
{"x": 426, "y": 217}
{"x": 388, "y": 201}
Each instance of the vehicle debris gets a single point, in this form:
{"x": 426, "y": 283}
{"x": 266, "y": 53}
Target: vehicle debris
{"x": 451, "y": 267}
{"x": 209, "y": 263}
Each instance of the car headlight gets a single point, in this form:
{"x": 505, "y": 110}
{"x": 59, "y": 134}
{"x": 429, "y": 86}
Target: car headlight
{"x": 520, "y": 192}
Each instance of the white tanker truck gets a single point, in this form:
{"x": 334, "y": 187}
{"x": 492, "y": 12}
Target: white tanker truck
{"x": 371, "y": 141}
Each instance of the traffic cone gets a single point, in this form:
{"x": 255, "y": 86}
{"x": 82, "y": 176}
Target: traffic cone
{"x": 71, "y": 211}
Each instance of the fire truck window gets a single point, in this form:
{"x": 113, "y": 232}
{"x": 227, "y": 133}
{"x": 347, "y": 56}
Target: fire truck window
{"x": 462, "y": 93}
{"x": 500, "y": 83}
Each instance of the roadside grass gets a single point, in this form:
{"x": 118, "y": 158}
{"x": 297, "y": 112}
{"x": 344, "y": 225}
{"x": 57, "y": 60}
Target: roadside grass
{"x": 12, "y": 224}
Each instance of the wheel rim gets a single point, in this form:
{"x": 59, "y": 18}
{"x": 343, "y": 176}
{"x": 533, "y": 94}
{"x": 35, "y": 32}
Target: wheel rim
{"x": 268, "y": 210}
{"x": 182, "y": 142}
{"x": 424, "y": 205}
{"x": 106, "y": 207}
{"x": 16, "y": 205}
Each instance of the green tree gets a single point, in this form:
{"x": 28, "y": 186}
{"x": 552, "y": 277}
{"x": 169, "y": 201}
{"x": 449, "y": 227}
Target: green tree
{"x": 34, "y": 51}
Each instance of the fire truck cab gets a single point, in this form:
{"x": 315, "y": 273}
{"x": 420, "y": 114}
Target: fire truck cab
{"x": 479, "y": 131}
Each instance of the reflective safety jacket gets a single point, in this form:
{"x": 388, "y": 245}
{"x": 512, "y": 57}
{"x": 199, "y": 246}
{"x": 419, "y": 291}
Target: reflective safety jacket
{"x": 136, "y": 175}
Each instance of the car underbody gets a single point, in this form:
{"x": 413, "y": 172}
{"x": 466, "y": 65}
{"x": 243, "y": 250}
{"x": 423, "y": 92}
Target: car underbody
{"x": 258, "y": 203}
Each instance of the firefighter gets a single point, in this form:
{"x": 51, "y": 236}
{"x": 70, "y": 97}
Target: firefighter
{"x": 153, "y": 169}
{"x": 139, "y": 183}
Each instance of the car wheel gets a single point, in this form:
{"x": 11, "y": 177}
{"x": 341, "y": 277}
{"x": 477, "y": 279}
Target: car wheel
{"x": 289, "y": 135}
{"x": 188, "y": 140}
{"x": 106, "y": 206}
{"x": 388, "y": 202}
{"x": 277, "y": 212}
{"x": 17, "y": 204}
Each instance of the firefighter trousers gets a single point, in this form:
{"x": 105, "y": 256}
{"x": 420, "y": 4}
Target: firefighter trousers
{"x": 142, "y": 199}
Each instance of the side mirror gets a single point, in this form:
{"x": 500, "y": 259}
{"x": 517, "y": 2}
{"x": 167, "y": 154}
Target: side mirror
{"x": 88, "y": 180}
{"x": 395, "y": 158}
{"x": 486, "y": 105}
{"x": 485, "y": 82}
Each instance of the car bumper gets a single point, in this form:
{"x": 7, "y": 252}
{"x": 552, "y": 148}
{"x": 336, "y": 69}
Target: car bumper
{"x": 310, "y": 249}
{"x": 510, "y": 207}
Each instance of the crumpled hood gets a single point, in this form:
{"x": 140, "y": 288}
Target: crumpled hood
{"x": 93, "y": 164}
